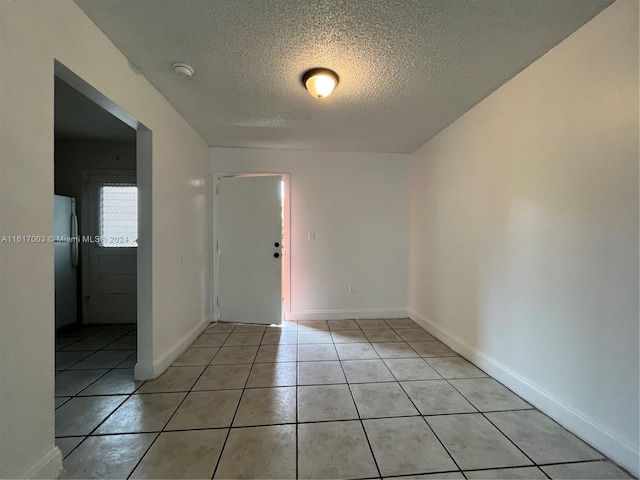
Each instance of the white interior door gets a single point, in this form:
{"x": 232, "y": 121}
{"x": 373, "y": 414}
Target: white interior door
{"x": 250, "y": 249}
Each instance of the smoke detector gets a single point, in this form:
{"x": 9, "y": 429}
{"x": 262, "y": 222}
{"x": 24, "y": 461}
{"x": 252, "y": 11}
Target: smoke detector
{"x": 183, "y": 69}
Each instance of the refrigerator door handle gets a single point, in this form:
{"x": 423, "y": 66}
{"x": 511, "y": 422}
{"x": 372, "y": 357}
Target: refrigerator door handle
{"x": 75, "y": 240}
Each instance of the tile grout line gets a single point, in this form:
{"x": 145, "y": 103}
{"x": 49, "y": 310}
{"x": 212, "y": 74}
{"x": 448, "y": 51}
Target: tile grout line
{"x": 373, "y": 455}
{"x": 76, "y": 395}
{"x": 226, "y": 438}
{"x": 104, "y": 347}
{"x": 311, "y": 421}
{"x": 91, "y": 351}
{"x": 425, "y": 421}
{"x": 162, "y": 430}
{"x": 431, "y": 428}
{"x": 297, "y": 407}
{"x": 240, "y": 427}
{"x": 486, "y": 418}
{"x": 533, "y": 462}
{"x": 599, "y": 460}
{"x": 470, "y": 413}
{"x": 92, "y": 433}
{"x": 117, "y": 367}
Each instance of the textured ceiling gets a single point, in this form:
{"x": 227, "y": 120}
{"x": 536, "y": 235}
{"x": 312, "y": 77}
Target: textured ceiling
{"x": 78, "y": 118}
{"x": 408, "y": 68}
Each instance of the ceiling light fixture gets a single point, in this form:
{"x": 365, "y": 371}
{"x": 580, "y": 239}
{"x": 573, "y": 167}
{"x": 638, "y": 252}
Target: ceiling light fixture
{"x": 183, "y": 69}
{"x": 320, "y": 82}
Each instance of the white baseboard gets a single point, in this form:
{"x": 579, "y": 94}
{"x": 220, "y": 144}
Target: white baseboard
{"x": 150, "y": 371}
{"x": 348, "y": 314}
{"x": 596, "y": 435}
{"x": 48, "y": 466}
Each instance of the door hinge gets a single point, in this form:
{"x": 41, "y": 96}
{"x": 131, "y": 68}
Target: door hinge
{"x": 217, "y": 301}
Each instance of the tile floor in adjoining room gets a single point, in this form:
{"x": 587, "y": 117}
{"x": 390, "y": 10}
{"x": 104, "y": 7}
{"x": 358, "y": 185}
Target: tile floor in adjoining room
{"x": 319, "y": 399}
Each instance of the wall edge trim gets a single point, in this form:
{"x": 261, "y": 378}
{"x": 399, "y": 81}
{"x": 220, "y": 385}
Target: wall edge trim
{"x": 345, "y": 314}
{"x": 49, "y": 466}
{"x": 576, "y": 422}
{"x": 145, "y": 371}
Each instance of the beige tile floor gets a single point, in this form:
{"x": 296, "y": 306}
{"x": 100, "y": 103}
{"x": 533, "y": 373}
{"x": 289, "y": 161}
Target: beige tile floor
{"x": 320, "y": 399}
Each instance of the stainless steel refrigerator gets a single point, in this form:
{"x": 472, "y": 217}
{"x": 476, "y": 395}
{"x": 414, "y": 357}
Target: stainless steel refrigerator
{"x": 66, "y": 260}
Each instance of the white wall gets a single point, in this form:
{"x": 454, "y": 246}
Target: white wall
{"x": 524, "y": 233}
{"x": 71, "y": 157}
{"x": 33, "y": 34}
{"x": 358, "y": 206}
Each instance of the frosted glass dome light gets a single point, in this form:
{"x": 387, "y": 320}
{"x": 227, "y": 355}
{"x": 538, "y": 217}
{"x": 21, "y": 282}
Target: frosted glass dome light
{"x": 320, "y": 82}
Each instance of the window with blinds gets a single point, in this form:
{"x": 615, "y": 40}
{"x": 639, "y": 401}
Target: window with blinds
{"x": 118, "y": 215}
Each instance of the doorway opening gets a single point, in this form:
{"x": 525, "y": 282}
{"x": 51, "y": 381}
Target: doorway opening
{"x": 252, "y": 253}
{"x": 102, "y": 173}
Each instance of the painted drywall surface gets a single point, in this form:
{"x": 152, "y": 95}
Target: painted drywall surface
{"x": 357, "y": 205}
{"x": 524, "y": 225}
{"x": 32, "y": 35}
{"x": 74, "y": 157}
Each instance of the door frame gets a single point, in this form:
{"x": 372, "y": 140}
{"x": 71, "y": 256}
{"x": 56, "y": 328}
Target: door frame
{"x": 286, "y": 251}
{"x": 144, "y": 262}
